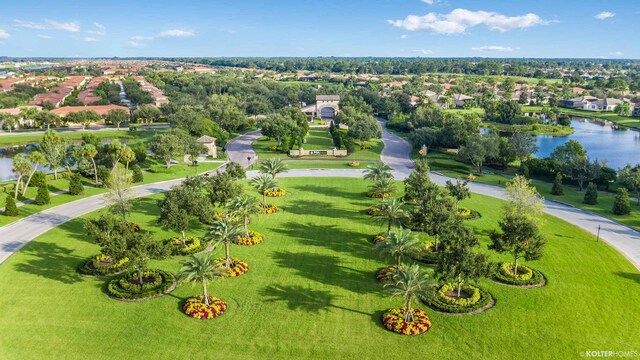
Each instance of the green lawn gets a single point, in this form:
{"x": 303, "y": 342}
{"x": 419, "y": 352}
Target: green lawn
{"x": 325, "y": 164}
{"x": 25, "y": 139}
{"x": 628, "y": 121}
{"x": 175, "y": 172}
{"x": 311, "y": 293}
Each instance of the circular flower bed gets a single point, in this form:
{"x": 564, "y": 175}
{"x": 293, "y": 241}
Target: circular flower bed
{"x": 378, "y": 195}
{"x": 254, "y": 238}
{"x": 191, "y": 245}
{"x": 196, "y": 308}
{"x": 100, "y": 265}
{"x": 270, "y": 209}
{"x": 154, "y": 283}
{"x": 426, "y": 254}
{"x": 238, "y": 267}
{"x": 468, "y": 214}
{"x": 380, "y": 237}
{"x": 354, "y": 164}
{"x": 472, "y": 299}
{"x": 277, "y": 192}
{"x": 387, "y": 273}
{"x": 393, "y": 320}
{"x": 526, "y": 277}
{"x": 373, "y": 211}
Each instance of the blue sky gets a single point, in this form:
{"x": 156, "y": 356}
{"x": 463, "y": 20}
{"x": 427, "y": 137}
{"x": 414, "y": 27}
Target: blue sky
{"x": 432, "y": 28}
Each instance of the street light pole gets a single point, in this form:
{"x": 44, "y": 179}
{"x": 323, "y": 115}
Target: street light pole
{"x": 598, "y": 236}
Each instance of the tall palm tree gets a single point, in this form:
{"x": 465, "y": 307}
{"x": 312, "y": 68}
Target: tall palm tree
{"x": 377, "y": 170}
{"x": 391, "y": 211}
{"x": 383, "y": 186}
{"x": 243, "y": 207}
{"x": 410, "y": 283}
{"x": 400, "y": 244}
{"x": 224, "y": 232}
{"x": 263, "y": 183}
{"x": 273, "y": 167}
{"x": 200, "y": 269}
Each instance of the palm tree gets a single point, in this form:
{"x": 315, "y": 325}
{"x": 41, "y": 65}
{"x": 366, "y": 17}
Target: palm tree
{"x": 243, "y": 207}
{"x": 263, "y": 183}
{"x": 410, "y": 283}
{"x": 382, "y": 186}
{"x": 37, "y": 159}
{"x": 399, "y": 244}
{"x": 391, "y": 211}
{"x": 273, "y": 167}
{"x": 224, "y": 232}
{"x": 377, "y": 170}
{"x": 200, "y": 269}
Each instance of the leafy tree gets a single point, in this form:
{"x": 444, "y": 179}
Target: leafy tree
{"x": 520, "y": 237}
{"x": 630, "y": 178}
{"x": 119, "y": 195}
{"x": 263, "y": 183}
{"x": 42, "y": 197}
{"x": 221, "y": 188}
{"x": 137, "y": 176}
{"x": 522, "y": 145}
{"x": 53, "y": 148}
{"x": 391, "y": 211}
{"x": 10, "y": 207}
{"x": 365, "y": 129}
{"x": 180, "y": 205}
{"x": 399, "y": 245}
{"x": 377, "y": 170}
{"x": 89, "y": 151}
{"x": 621, "y": 205}
{"x": 459, "y": 190}
{"x": 117, "y": 116}
{"x": 524, "y": 200}
{"x": 22, "y": 167}
{"x": 591, "y": 195}
{"x": 243, "y": 207}
{"x": 457, "y": 261}
{"x": 566, "y": 153}
{"x": 411, "y": 283}
{"x": 278, "y": 126}
{"x": 557, "y": 189}
{"x": 273, "y": 167}
{"x": 140, "y": 248}
{"x": 224, "y": 232}
{"x": 436, "y": 215}
{"x": 47, "y": 118}
{"x": 623, "y": 109}
{"x": 508, "y": 111}
{"x": 582, "y": 170}
{"x": 479, "y": 148}
{"x": 418, "y": 185}
{"x": 200, "y": 269}
{"x": 235, "y": 171}
{"x": 75, "y": 184}
{"x": 9, "y": 122}
{"x": 166, "y": 147}
{"x": 147, "y": 114}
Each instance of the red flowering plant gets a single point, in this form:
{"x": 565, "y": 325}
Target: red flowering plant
{"x": 201, "y": 269}
{"x": 198, "y": 309}
{"x": 254, "y": 238}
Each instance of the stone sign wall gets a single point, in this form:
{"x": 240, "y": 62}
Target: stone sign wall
{"x": 303, "y": 152}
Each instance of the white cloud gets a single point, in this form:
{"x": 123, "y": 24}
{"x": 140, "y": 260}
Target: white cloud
{"x": 73, "y": 26}
{"x": 617, "y": 53}
{"x": 423, "y": 51}
{"x": 140, "y": 38}
{"x": 4, "y": 35}
{"x": 177, "y": 33}
{"x": 100, "y": 29}
{"x": 430, "y": 2}
{"x": 134, "y": 44}
{"x": 403, "y": 36}
{"x": 45, "y": 37}
{"x": 605, "y": 15}
{"x": 89, "y": 39}
{"x": 496, "y": 48}
{"x": 459, "y": 20}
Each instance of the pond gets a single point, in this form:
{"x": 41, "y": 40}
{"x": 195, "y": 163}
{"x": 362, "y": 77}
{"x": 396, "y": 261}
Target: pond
{"x": 618, "y": 146}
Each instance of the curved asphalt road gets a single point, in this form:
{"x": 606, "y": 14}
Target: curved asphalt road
{"x": 396, "y": 153}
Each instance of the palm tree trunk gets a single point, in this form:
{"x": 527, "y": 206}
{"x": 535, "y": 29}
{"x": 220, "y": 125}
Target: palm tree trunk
{"x": 15, "y": 195}
{"x": 140, "y": 275}
{"x": 226, "y": 253}
{"x": 184, "y": 243}
{"x": 264, "y": 199}
{"x": 459, "y": 285}
{"x": 204, "y": 291}
{"x": 95, "y": 170}
{"x": 436, "y": 242}
{"x": 515, "y": 265}
{"x": 389, "y": 228}
{"x": 408, "y": 315}
{"x": 398, "y": 259}
{"x": 24, "y": 189}
{"x": 55, "y": 173}
{"x": 246, "y": 226}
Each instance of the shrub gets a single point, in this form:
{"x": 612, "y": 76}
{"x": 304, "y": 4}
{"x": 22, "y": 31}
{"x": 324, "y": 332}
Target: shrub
{"x": 468, "y": 214}
{"x": 557, "y": 189}
{"x": 621, "y": 205}
{"x": 393, "y": 320}
{"x": 140, "y": 152}
{"x": 444, "y": 303}
{"x": 354, "y": 164}
{"x": 591, "y": 195}
{"x": 156, "y": 282}
{"x": 104, "y": 176}
{"x": 277, "y": 192}
{"x": 387, "y": 273}
{"x": 137, "y": 177}
{"x": 100, "y": 265}
{"x": 254, "y": 238}
{"x": 526, "y": 276}
{"x": 238, "y": 267}
{"x": 75, "y": 185}
{"x": 270, "y": 209}
{"x": 196, "y": 308}
{"x": 193, "y": 245}
{"x": 379, "y": 237}
{"x": 38, "y": 179}
{"x": 10, "y": 208}
{"x": 348, "y": 144}
{"x": 42, "y": 198}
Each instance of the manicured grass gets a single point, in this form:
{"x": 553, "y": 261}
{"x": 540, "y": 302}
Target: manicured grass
{"x": 318, "y": 139}
{"x": 325, "y": 164}
{"x": 628, "y": 121}
{"x": 311, "y": 293}
{"x": 175, "y": 172}
{"x": 534, "y": 129}
{"x": 25, "y": 139}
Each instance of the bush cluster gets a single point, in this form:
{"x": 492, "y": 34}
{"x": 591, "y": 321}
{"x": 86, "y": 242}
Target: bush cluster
{"x": 75, "y": 185}
{"x": 43, "y": 198}
{"x": 468, "y": 214}
{"x": 270, "y": 209}
{"x": 444, "y": 303}
{"x": 238, "y": 267}
{"x": 196, "y": 307}
{"x": 394, "y": 321}
{"x": 101, "y": 265}
{"x": 127, "y": 287}
{"x": 254, "y": 238}
{"x": 277, "y": 192}
{"x": 387, "y": 273}
{"x": 526, "y": 275}
{"x": 192, "y": 245}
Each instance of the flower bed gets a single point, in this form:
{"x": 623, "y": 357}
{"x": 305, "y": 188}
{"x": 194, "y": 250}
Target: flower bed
{"x": 277, "y": 192}
{"x": 378, "y": 195}
{"x": 468, "y": 214}
{"x": 101, "y": 265}
{"x": 393, "y": 320}
{"x": 387, "y": 273}
{"x": 197, "y": 309}
{"x": 270, "y": 209}
{"x": 476, "y": 299}
{"x": 426, "y": 254}
{"x": 380, "y": 237}
{"x": 526, "y": 276}
{"x": 354, "y": 164}
{"x": 155, "y": 283}
{"x": 238, "y": 267}
{"x": 254, "y": 238}
{"x": 192, "y": 245}
{"x": 373, "y": 211}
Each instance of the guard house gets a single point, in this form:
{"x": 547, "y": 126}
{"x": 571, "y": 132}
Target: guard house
{"x": 326, "y": 107}
{"x": 210, "y": 143}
